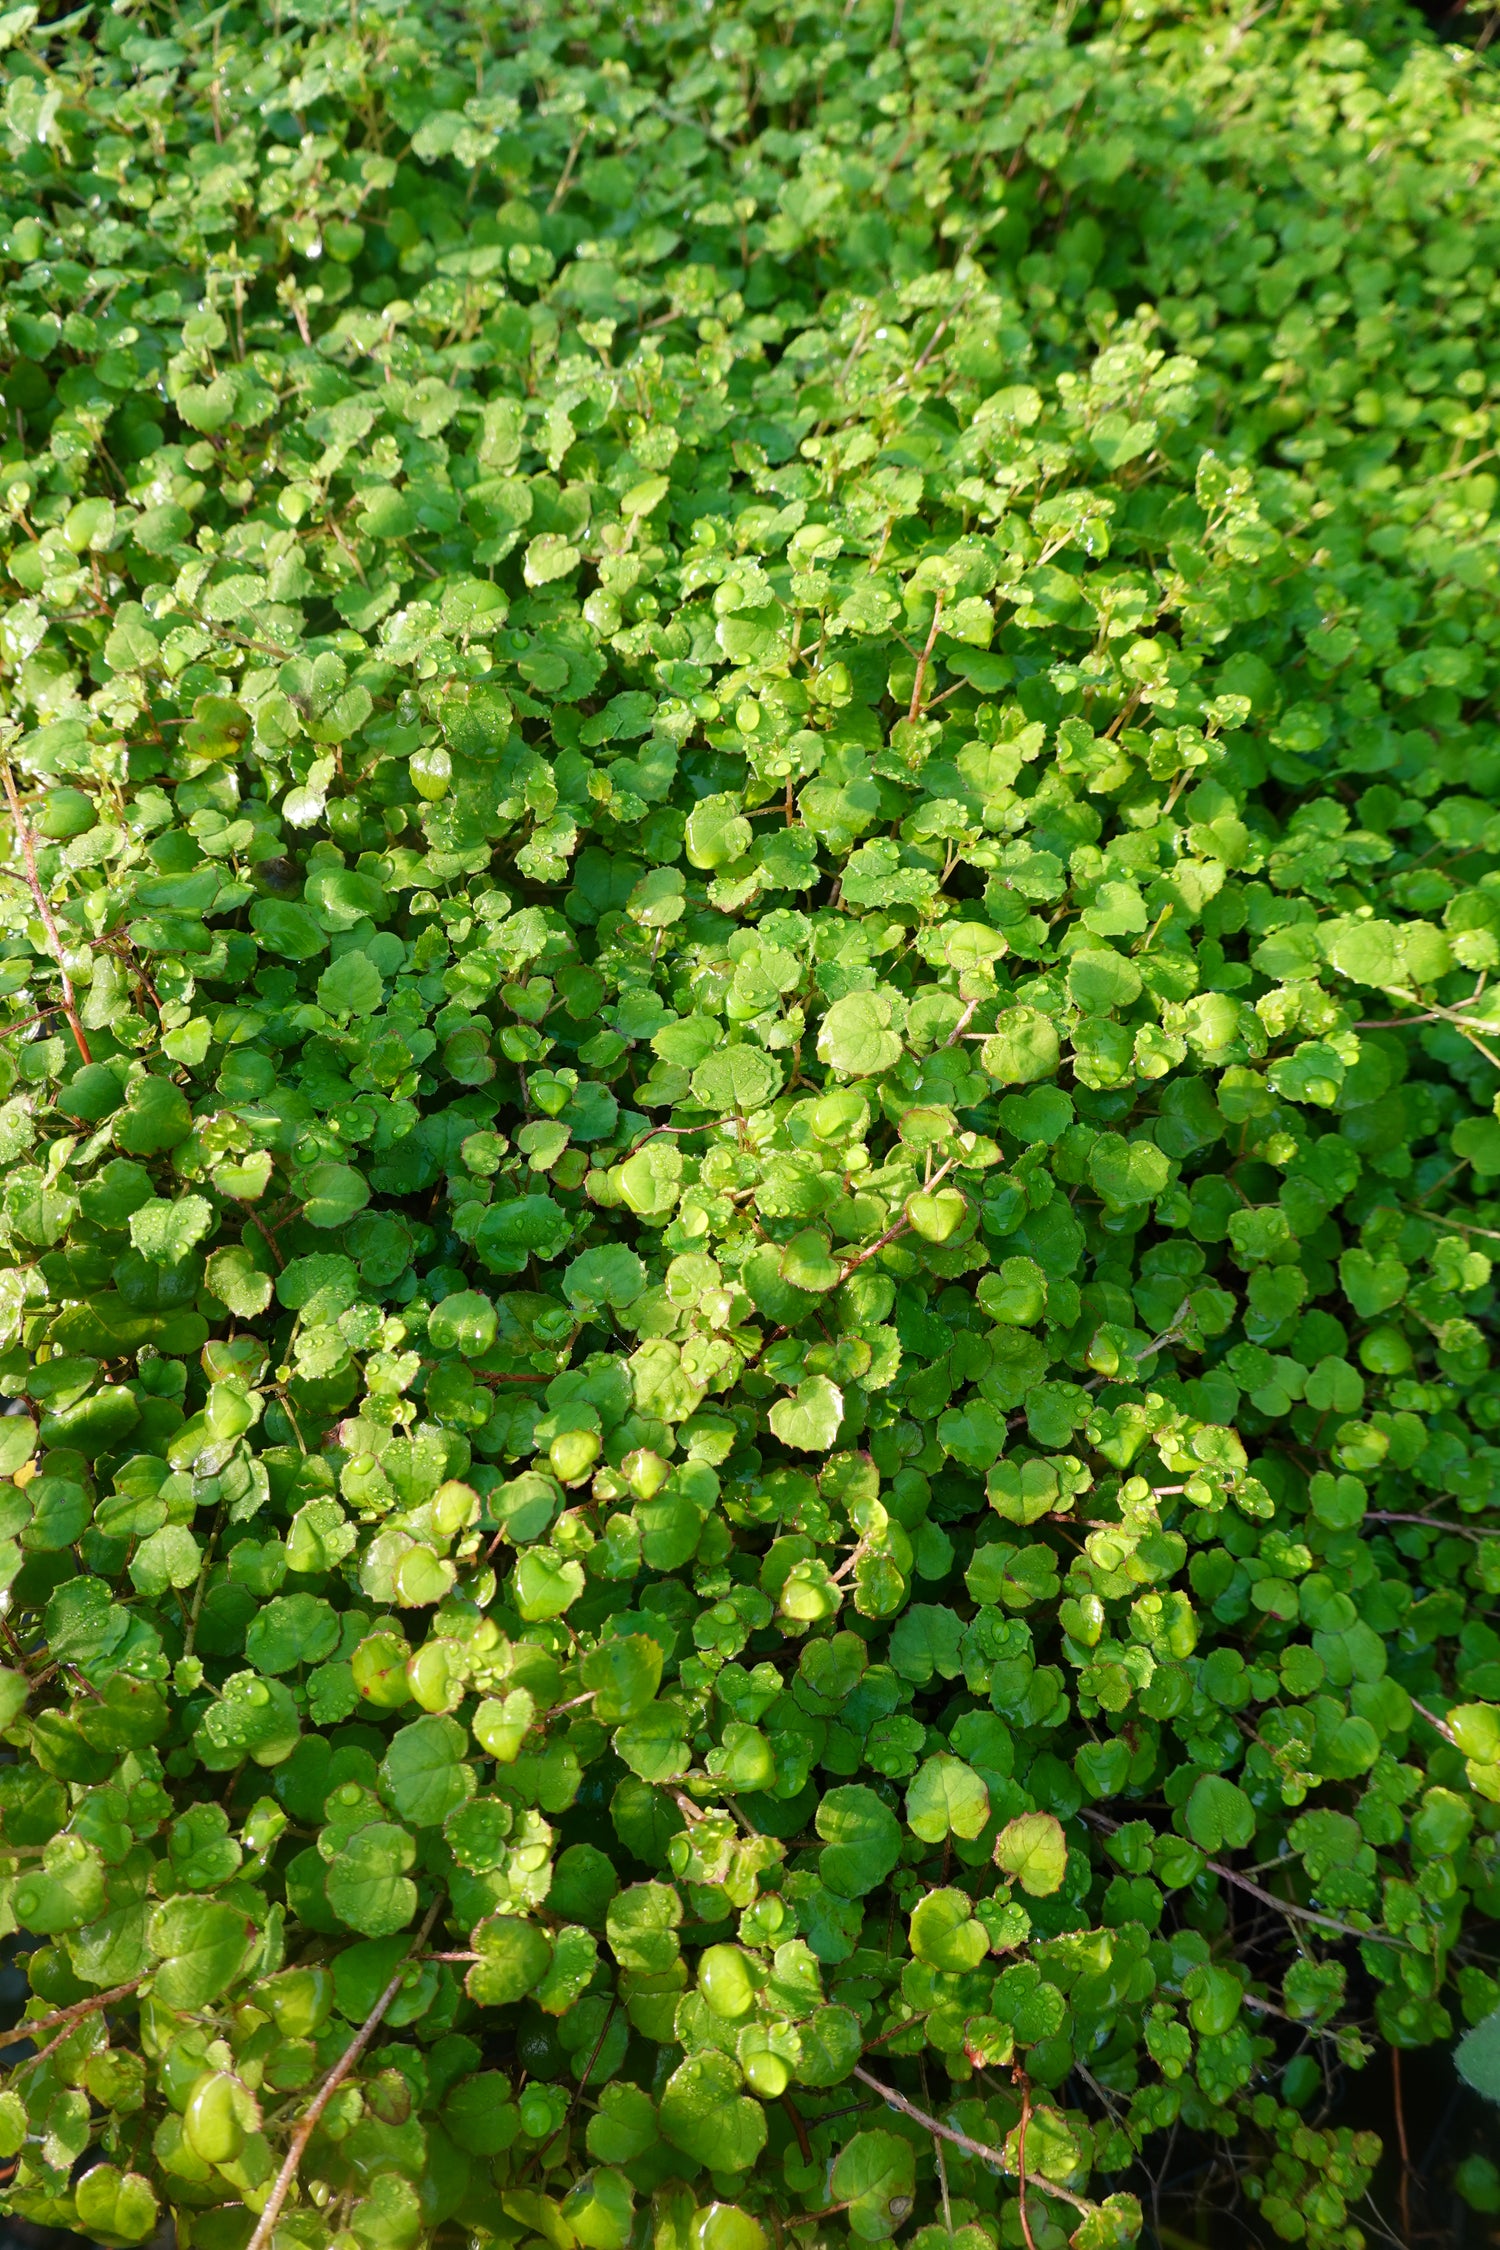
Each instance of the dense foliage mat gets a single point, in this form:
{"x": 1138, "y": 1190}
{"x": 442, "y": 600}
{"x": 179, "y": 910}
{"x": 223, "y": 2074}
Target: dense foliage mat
{"x": 748, "y": 1115}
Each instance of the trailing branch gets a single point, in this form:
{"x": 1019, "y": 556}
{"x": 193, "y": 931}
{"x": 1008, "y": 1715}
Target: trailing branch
{"x": 308, "y": 2123}
{"x": 995, "y": 2156}
{"x": 44, "y": 910}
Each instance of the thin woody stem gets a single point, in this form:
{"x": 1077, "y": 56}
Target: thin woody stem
{"x": 266, "y": 2223}
{"x": 902, "y": 1226}
{"x": 1439, "y": 1726}
{"x": 598, "y": 2049}
{"x": 894, "y": 2031}
{"x": 850, "y": 1562}
{"x": 202, "y": 1586}
{"x": 1428, "y": 1523}
{"x": 962, "y": 1024}
{"x": 28, "y": 853}
{"x": 1269, "y": 1898}
{"x": 995, "y": 2156}
{"x": 67, "y": 2017}
{"x": 915, "y": 709}
{"x": 1025, "y": 2085}
{"x": 561, "y": 189}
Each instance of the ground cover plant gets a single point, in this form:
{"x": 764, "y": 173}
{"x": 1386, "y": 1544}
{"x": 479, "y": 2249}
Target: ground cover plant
{"x": 749, "y": 1119}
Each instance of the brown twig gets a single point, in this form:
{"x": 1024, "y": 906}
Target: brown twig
{"x": 202, "y": 1586}
{"x": 267, "y": 1237}
{"x": 962, "y": 1025}
{"x": 939, "y": 2159}
{"x": 20, "y": 1656}
{"x": 850, "y": 1562}
{"x": 894, "y": 2030}
{"x": 566, "y": 181}
{"x": 1269, "y": 1898}
{"x": 902, "y": 1226}
{"x": 914, "y": 711}
{"x": 598, "y": 2049}
{"x": 1019, "y": 2078}
{"x": 1438, "y": 1726}
{"x": 1428, "y": 1523}
{"x": 938, "y": 334}
{"x": 1126, "y": 711}
{"x": 266, "y": 2223}
{"x": 67, "y": 2017}
{"x": 995, "y": 2156}
{"x": 28, "y": 853}
{"x": 24, "y": 1023}
{"x": 1401, "y": 2143}
{"x": 654, "y": 1132}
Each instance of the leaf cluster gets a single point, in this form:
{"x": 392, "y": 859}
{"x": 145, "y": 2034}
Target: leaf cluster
{"x": 748, "y": 1089}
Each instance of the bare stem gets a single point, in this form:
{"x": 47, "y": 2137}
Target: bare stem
{"x": 28, "y": 853}
{"x": 995, "y": 2156}
{"x": 1025, "y": 2085}
{"x": 1439, "y": 1726}
{"x": 962, "y": 1024}
{"x": 917, "y": 685}
{"x": 67, "y": 2017}
{"x": 265, "y": 2224}
{"x": 902, "y": 1226}
{"x": 1269, "y": 1898}
{"x": 1428, "y": 1523}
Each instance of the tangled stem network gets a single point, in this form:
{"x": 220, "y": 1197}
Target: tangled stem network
{"x": 748, "y": 1107}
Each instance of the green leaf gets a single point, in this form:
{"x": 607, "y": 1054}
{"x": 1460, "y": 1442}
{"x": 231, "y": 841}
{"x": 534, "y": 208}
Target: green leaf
{"x": 368, "y": 1886}
{"x": 66, "y": 1891}
{"x": 603, "y": 723}
{"x": 1023, "y": 1046}
{"x": 1219, "y": 1814}
{"x": 155, "y": 1118}
{"x": 610, "y": 1275}
{"x": 736, "y": 1081}
{"x": 115, "y": 2206}
{"x": 622, "y": 1675}
{"x": 809, "y": 1420}
{"x": 875, "y": 2176}
{"x": 235, "y": 1279}
{"x": 166, "y": 1232}
{"x": 200, "y": 1948}
{"x": 704, "y": 2114}
{"x": 550, "y": 557}
{"x": 546, "y": 1584}
{"x": 861, "y": 1839}
{"x": 332, "y": 1194}
{"x": 653, "y": 1742}
{"x": 1126, "y": 1173}
{"x": 287, "y": 929}
{"x": 351, "y": 987}
{"x": 464, "y": 1322}
{"x": 946, "y": 1798}
{"x": 252, "y": 1718}
{"x": 945, "y": 1934}
{"x": 1478, "y": 2056}
{"x": 1033, "y": 1850}
{"x": 423, "y": 1777}
{"x": 511, "y": 1233}
{"x": 293, "y": 1629}
{"x": 624, "y": 2126}
{"x": 856, "y": 1037}
{"x": 514, "y": 1956}
{"x": 717, "y": 832}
